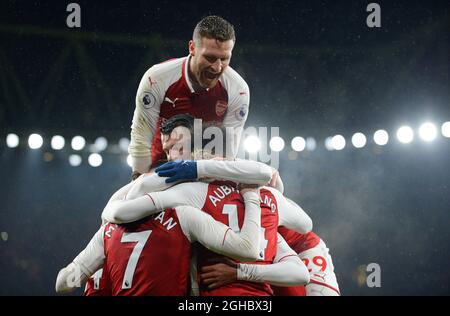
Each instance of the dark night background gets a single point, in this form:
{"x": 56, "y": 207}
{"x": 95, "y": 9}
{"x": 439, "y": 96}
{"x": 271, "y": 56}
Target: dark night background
{"x": 314, "y": 69}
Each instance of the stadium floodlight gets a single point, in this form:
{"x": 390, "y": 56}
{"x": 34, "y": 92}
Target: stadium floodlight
{"x": 298, "y": 143}
{"x": 445, "y": 129}
{"x": 75, "y": 160}
{"x": 338, "y": 142}
{"x": 78, "y": 143}
{"x": 381, "y": 137}
{"x": 359, "y": 140}
{"x": 129, "y": 161}
{"x": 405, "y": 134}
{"x": 311, "y": 144}
{"x": 95, "y": 160}
{"x": 276, "y": 143}
{"x": 57, "y": 142}
{"x": 428, "y": 132}
{"x": 35, "y": 141}
{"x": 252, "y": 144}
{"x": 328, "y": 143}
{"x": 12, "y": 140}
{"x": 124, "y": 143}
{"x": 101, "y": 143}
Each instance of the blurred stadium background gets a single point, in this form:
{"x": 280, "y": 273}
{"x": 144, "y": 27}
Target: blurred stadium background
{"x": 314, "y": 69}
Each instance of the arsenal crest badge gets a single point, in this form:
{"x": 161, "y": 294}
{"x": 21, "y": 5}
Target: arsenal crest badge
{"x": 221, "y": 107}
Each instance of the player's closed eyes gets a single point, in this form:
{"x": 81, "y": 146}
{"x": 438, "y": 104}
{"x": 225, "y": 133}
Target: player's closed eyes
{"x": 213, "y": 59}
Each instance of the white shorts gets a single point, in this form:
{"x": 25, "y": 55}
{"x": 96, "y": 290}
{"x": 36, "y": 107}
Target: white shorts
{"x": 320, "y": 266}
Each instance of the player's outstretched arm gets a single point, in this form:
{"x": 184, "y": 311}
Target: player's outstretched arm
{"x": 83, "y": 266}
{"x": 129, "y": 203}
{"x": 149, "y": 97}
{"x": 126, "y": 211}
{"x": 291, "y": 215}
{"x": 115, "y": 199}
{"x": 202, "y": 227}
{"x": 287, "y": 270}
{"x": 242, "y": 171}
{"x": 146, "y": 183}
{"x": 237, "y": 113}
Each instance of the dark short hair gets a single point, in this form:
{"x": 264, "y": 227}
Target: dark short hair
{"x": 185, "y": 120}
{"x": 215, "y": 27}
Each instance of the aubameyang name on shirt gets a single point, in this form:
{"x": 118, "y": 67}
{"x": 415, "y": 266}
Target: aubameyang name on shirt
{"x": 167, "y": 223}
{"x": 267, "y": 200}
{"x": 220, "y": 193}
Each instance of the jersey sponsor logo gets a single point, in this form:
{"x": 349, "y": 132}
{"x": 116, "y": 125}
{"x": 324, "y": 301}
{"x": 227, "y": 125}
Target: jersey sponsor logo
{"x": 221, "y": 107}
{"x": 166, "y": 99}
{"x": 319, "y": 276}
{"x": 220, "y": 193}
{"x": 148, "y": 100}
{"x": 241, "y": 113}
{"x": 167, "y": 223}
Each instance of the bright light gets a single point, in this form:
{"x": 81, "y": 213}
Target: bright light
{"x": 329, "y": 144}
{"x": 95, "y": 160}
{"x": 381, "y": 137}
{"x": 129, "y": 160}
{"x": 74, "y": 160}
{"x": 12, "y": 140}
{"x": 35, "y": 141}
{"x": 359, "y": 140}
{"x": 338, "y": 142}
{"x": 298, "y": 143}
{"x": 124, "y": 143}
{"x": 4, "y": 236}
{"x": 446, "y": 129}
{"x": 405, "y": 134}
{"x": 58, "y": 142}
{"x": 100, "y": 144}
{"x": 428, "y": 132}
{"x": 252, "y": 144}
{"x": 310, "y": 144}
{"x": 78, "y": 143}
{"x": 276, "y": 143}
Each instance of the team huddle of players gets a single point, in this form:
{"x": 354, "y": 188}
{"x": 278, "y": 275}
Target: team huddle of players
{"x": 164, "y": 239}
{"x": 197, "y": 226}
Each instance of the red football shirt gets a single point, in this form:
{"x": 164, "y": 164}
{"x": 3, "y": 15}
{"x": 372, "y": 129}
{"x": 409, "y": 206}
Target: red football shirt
{"x": 299, "y": 243}
{"x": 148, "y": 257}
{"x": 226, "y": 205}
{"x": 209, "y": 105}
{"x": 98, "y": 285}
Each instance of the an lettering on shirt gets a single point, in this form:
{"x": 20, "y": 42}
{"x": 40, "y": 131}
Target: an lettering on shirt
{"x": 168, "y": 223}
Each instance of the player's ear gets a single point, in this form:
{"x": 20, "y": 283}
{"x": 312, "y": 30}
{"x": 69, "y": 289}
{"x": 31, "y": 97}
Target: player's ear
{"x": 192, "y": 48}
